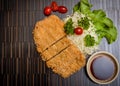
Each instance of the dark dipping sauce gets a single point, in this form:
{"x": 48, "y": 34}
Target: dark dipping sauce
{"x": 102, "y": 67}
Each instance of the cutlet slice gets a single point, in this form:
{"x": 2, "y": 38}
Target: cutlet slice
{"x": 41, "y": 39}
{"x": 55, "y": 49}
{"x": 75, "y": 52}
{"x": 54, "y": 27}
{"x": 67, "y": 62}
{"x": 47, "y": 32}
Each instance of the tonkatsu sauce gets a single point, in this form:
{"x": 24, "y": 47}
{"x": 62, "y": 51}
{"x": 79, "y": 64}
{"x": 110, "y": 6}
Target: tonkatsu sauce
{"x": 102, "y": 67}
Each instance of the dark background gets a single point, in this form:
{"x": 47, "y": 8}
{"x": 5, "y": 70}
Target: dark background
{"x": 20, "y": 64}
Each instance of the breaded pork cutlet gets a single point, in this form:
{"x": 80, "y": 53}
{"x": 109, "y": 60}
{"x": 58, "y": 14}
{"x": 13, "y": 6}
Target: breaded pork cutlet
{"x": 67, "y": 62}
{"x": 55, "y": 48}
{"x": 47, "y": 32}
{"x": 60, "y": 54}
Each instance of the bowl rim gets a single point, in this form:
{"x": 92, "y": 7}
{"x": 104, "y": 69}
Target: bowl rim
{"x": 92, "y": 57}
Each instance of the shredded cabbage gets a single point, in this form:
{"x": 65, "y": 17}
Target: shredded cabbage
{"x": 79, "y": 39}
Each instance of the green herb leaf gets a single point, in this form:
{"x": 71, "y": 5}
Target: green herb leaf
{"x": 69, "y": 29}
{"x": 110, "y": 34}
{"x": 84, "y": 22}
{"x": 104, "y": 27}
{"x": 82, "y": 6}
{"x": 89, "y": 41}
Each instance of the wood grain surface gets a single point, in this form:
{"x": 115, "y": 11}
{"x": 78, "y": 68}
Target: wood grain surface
{"x": 20, "y": 64}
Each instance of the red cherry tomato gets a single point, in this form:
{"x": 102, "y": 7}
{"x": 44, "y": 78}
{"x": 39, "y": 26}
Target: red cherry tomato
{"x": 47, "y": 10}
{"x": 62, "y": 9}
{"x": 78, "y": 31}
{"x": 54, "y": 6}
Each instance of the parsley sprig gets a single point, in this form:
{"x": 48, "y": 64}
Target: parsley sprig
{"x": 69, "y": 29}
{"x": 84, "y": 22}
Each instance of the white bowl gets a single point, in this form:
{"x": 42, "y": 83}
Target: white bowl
{"x": 93, "y": 57}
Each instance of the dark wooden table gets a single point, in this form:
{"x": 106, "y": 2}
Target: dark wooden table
{"x": 20, "y": 64}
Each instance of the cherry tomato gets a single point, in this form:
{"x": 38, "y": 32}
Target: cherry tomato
{"x": 78, "y": 31}
{"x": 62, "y": 9}
{"x": 54, "y": 6}
{"x": 47, "y": 10}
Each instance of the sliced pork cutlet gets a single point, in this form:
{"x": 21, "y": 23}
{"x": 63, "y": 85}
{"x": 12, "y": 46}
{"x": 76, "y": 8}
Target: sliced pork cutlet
{"x": 47, "y": 32}
{"x": 40, "y": 39}
{"x": 67, "y": 62}
{"x": 55, "y": 27}
{"x": 56, "y": 48}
